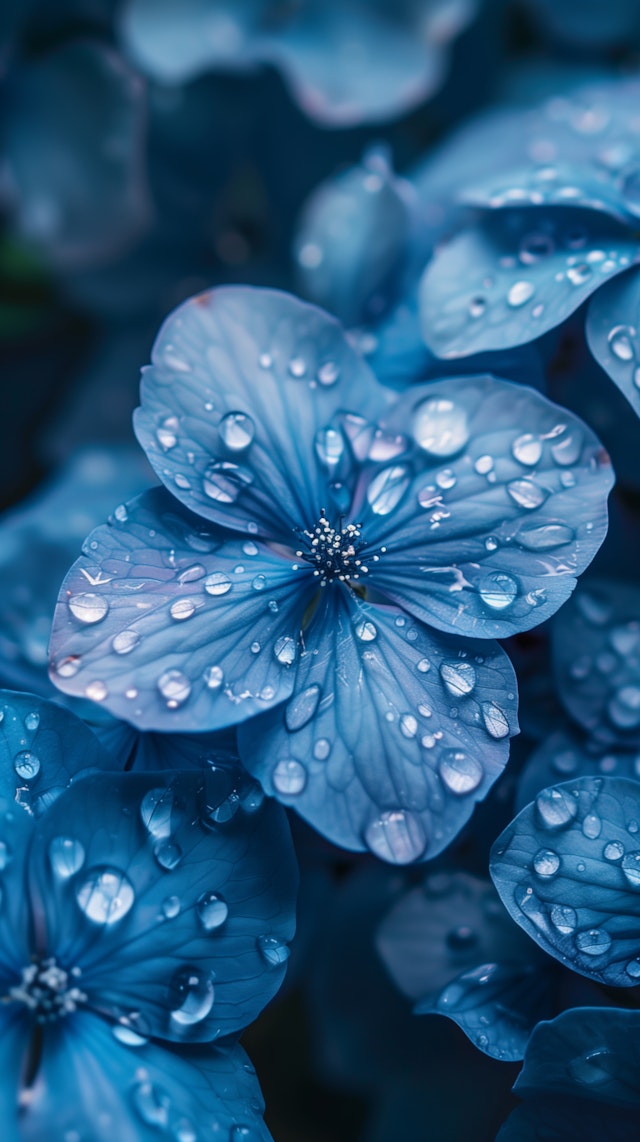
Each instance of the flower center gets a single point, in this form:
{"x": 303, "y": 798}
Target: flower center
{"x": 48, "y": 990}
{"x": 333, "y": 552}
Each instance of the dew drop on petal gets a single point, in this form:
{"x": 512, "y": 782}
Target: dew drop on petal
{"x": 328, "y": 373}
{"x": 289, "y": 777}
{"x": 105, "y": 895}
{"x": 620, "y": 341}
{"x": 217, "y": 583}
{"x": 440, "y": 427}
{"x": 498, "y": 590}
{"x": 387, "y": 489}
{"x": 285, "y": 650}
{"x": 556, "y": 808}
{"x": 182, "y": 609}
{"x": 397, "y": 836}
{"x": 633, "y": 969}
{"x": 408, "y": 726}
{"x": 593, "y": 1068}
{"x": 592, "y": 826}
{"x": 322, "y": 749}
{"x": 527, "y": 449}
{"x": 213, "y": 677}
{"x": 520, "y": 293}
{"x": 301, "y": 708}
{"x": 495, "y": 720}
{"x": 274, "y": 951}
{"x": 155, "y": 812}
{"x": 125, "y": 641}
{"x": 224, "y": 481}
{"x": 152, "y": 1104}
{"x": 366, "y": 631}
{"x": 174, "y": 687}
{"x": 564, "y": 919}
{"x": 191, "y": 996}
{"x": 593, "y": 942}
{"x": 168, "y": 855}
{"x": 88, "y": 608}
{"x": 546, "y": 863}
{"x": 26, "y": 764}
{"x": 631, "y": 868}
{"x": 171, "y": 907}
{"x": 66, "y": 856}
{"x": 32, "y": 721}
{"x": 212, "y": 911}
{"x": 460, "y": 773}
{"x": 527, "y": 494}
{"x": 96, "y": 691}
{"x": 544, "y": 537}
{"x": 237, "y": 430}
{"x": 459, "y": 677}
{"x": 613, "y": 850}
{"x": 167, "y": 433}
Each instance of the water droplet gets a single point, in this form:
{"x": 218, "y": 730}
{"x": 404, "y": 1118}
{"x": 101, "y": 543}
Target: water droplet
{"x": 592, "y": 826}
{"x": 212, "y": 911}
{"x": 546, "y": 863}
{"x": 105, "y": 895}
{"x": 564, "y": 919}
{"x": 458, "y": 677}
{"x": 289, "y": 777}
{"x": 301, "y": 708}
{"x": 556, "y": 808}
{"x": 477, "y": 306}
{"x": 446, "y": 479}
{"x": 534, "y": 247}
{"x": 175, "y": 688}
{"x": 527, "y": 449}
{"x": 191, "y": 996}
{"x": 125, "y": 641}
{"x": 483, "y": 465}
{"x": 329, "y": 446}
{"x": 631, "y": 868}
{"x": 424, "y": 666}
{"x": 285, "y": 650}
{"x": 167, "y": 433}
{"x": 387, "y": 489}
{"x": 168, "y": 855}
{"x": 328, "y": 373}
{"x": 217, "y": 583}
{"x": 366, "y": 631}
{"x": 155, "y": 811}
{"x": 224, "y": 481}
{"x": 460, "y": 773}
{"x": 495, "y": 720}
{"x": 88, "y": 608}
{"x": 213, "y": 677}
{"x": 593, "y": 1068}
{"x": 593, "y": 942}
{"x": 526, "y": 493}
{"x": 26, "y": 764}
{"x": 265, "y": 360}
{"x": 171, "y": 907}
{"x": 297, "y": 367}
{"x": 408, "y": 726}
{"x": 579, "y": 274}
{"x": 273, "y": 950}
{"x": 237, "y": 430}
{"x": 66, "y": 856}
{"x": 544, "y": 537}
{"x": 397, "y": 836}
{"x": 520, "y": 293}
{"x": 96, "y": 691}
{"x": 440, "y": 427}
{"x": 182, "y": 609}
{"x": 633, "y": 969}
{"x": 621, "y": 342}
{"x": 32, "y": 721}
{"x": 498, "y": 590}
{"x": 128, "y": 1036}
{"x": 152, "y": 1104}
{"x": 191, "y": 574}
{"x": 322, "y": 749}
{"x": 613, "y": 850}
{"x": 567, "y": 450}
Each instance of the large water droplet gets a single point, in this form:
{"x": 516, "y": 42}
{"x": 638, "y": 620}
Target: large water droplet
{"x": 544, "y": 537}
{"x": 527, "y": 494}
{"x": 155, "y": 811}
{"x": 285, "y": 650}
{"x": 460, "y": 773}
{"x": 592, "y": 826}
{"x": 218, "y": 583}
{"x": 26, "y": 764}
{"x": 536, "y": 246}
{"x": 168, "y": 855}
{"x": 495, "y": 720}
{"x": 182, "y": 609}
{"x": 631, "y": 868}
{"x": 66, "y": 856}
{"x": 328, "y": 373}
{"x": 32, "y": 721}
{"x": 458, "y": 677}
{"x": 88, "y": 608}
{"x": 520, "y": 293}
{"x": 566, "y": 450}
{"x": 289, "y": 777}
{"x": 613, "y": 850}
{"x": 152, "y": 1104}
{"x": 224, "y": 481}
{"x": 366, "y": 631}
{"x": 301, "y": 708}
{"x": 105, "y": 895}
{"x": 564, "y": 919}
{"x": 527, "y": 449}
{"x": 621, "y": 342}
{"x": 440, "y": 427}
{"x": 329, "y": 445}
{"x": 387, "y": 489}
{"x": 191, "y": 996}
{"x": 556, "y": 808}
{"x": 498, "y": 590}
{"x": 237, "y": 430}
{"x": 212, "y": 911}
{"x": 96, "y": 691}
{"x": 397, "y": 836}
{"x": 273, "y": 950}
{"x": 175, "y": 688}
{"x": 546, "y": 863}
{"x": 125, "y": 641}
{"x": 593, "y": 942}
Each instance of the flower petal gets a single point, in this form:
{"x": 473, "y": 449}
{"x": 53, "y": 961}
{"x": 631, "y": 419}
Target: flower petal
{"x": 174, "y": 625}
{"x": 392, "y": 733}
{"x": 501, "y": 503}
{"x": 542, "y": 184}
{"x": 612, "y": 333}
{"x": 596, "y": 657}
{"x": 568, "y": 870}
{"x": 96, "y": 1081}
{"x": 179, "y": 906}
{"x": 516, "y": 274}
{"x": 245, "y": 385}
{"x": 564, "y": 755}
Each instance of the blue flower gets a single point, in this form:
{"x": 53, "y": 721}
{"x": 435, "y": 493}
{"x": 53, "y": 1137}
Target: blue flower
{"x": 356, "y": 522}
{"x": 139, "y": 915}
{"x": 550, "y": 229}
{"x": 345, "y": 61}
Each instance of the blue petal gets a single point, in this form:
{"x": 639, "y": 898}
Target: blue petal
{"x": 567, "y": 869}
{"x": 244, "y": 387}
{"x": 563, "y": 184}
{"x": 565, "y": 754}
{"x": 98, "y": 1081}
{"x": 596, "y": 657}
{"x": 392, "y": 733}
{"x": 501, "y": 503}
{"x": 516, "y": 274}
{"x": 15, "y": 1031}
{"x": 179, "y": 906}
{"x": 73, "y": 149}
{"x": 173, "y": 625}
{"x": 351, "y": 245}
{"x": 612, "y": 334}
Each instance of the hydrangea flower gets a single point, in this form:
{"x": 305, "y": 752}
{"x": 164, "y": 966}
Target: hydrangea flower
{"x": 138, "y": 916}
{"x": 549, "y": 231}
{"x": 313, "y": 531}
{"x": 346, "y": 61}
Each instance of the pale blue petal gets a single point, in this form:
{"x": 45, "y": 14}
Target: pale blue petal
{"x": 564, "y": 755}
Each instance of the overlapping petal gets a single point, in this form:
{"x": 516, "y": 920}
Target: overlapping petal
{"x": 515, "y": 274}
{"x": 596, "y": 656}
{"x": 568, "y": 870}
{"x": 612, "y": 333}
{"x": 392, "y": 732}
{"x": 590, "y": 186}
{"x": 566, "y": 754}
{"x": 174, "y": 625}
{"x": 174, "y": 896}
{"x": 100, "y": 1082}
{"x": 239, "y": 413}
{"x": 486, "y": 522}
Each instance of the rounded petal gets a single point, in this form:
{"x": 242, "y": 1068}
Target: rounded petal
{"x": 245, "y": 384}
{"x": 567, "y": 869}
{"x": 180, "y": 902}
{"x": 392, "y": 732}
{"x": 539, "y": 185}
{"x": 175, "y": 626}
{"x": 596, "y": 657}
{"x": 515, "y": 274}
{"x": 565, "y": 754}
{"x": 612, "y": 333}
{"x": 73, "y": 150}
{"x": 95, "y": 1081}
{"x": 176, "y": 40}
{"x": 500, "y": 505}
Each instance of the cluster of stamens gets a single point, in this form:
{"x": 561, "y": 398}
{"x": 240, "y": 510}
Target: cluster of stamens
{"x": 334, "y": 552}
{"x": 47, "y": 991}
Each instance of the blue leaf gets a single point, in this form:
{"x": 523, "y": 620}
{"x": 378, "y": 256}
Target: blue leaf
{"x": 173, "y": 625}
{"x": 596, "y": 657}
{"x": 498, "y": 507}
{"x": 567, "y": 869}
{"x": 612, "y": 334}
{"x": 565, "y": 754}
{"x": 179, "y": 903}
{"x": 103, "y": 1082}
{"x": 73, "y": 148}
{"x": 392, "y": 732}
{"x": 240, "y": 401}
{"x": 515, "y": 274}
